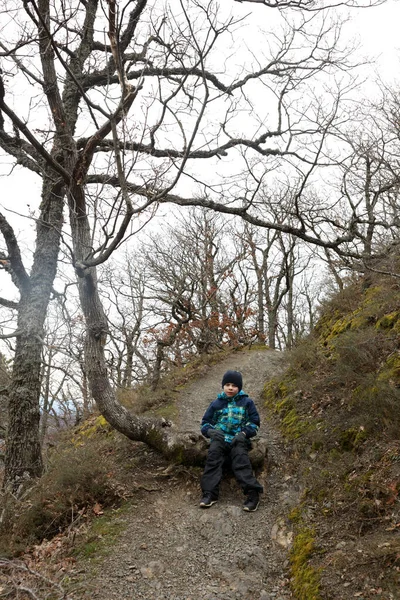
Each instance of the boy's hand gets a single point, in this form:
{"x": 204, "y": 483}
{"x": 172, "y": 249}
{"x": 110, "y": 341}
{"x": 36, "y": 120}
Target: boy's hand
{"x": 239, "y": 437}
{"x": 215, "y": 434}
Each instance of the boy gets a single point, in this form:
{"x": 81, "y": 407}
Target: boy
{"x": 230, "y": 421}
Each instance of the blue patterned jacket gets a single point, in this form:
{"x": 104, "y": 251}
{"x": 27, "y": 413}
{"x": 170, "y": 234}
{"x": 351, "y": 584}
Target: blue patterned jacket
{"x": 231, "y": 415}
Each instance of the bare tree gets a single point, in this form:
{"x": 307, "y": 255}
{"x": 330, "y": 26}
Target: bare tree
{"x": 190, "y": 282}
{"x": 188, "y": 294}
{"x": 371, "y": 183}
{"x": 64, "y": 397}
{"x": 271, "y": 265}
{"x": 123, "y": 290}
{"x": 299, "y": 306}
{"x": 365, "y": 186}
{"x": 130, "y": 99}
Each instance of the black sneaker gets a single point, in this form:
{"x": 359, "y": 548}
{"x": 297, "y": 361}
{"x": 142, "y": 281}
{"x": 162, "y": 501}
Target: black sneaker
{"x": 252, "y": 501}
{"x": 207, "y": 501}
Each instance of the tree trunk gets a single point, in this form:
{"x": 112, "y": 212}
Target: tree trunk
{"x": 128, "y": 369}
{"x": 23, "y": 458}
{"x": 272, "y": 327}
{"x": 290, "y": 307}
{"x": 46, "y": 374}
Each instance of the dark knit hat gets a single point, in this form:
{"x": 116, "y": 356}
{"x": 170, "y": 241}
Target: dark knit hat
{"x": 233, "y": 377}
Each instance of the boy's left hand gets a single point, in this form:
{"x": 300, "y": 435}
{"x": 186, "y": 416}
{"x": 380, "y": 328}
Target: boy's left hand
{"x": 239, "y": 437}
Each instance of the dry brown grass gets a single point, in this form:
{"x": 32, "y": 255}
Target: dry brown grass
{"x": 83, "y": 472}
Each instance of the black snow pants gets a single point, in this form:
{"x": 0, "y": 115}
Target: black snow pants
{"x": 241, "y": 467}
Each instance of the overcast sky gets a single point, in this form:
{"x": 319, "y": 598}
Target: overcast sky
{"x": 378, "y": 29}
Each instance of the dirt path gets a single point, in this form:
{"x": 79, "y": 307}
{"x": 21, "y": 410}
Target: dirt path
{"x": 173, "y": 550}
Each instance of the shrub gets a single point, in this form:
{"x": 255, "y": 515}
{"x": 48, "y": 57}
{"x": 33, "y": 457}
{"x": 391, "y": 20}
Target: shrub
{"x": 357, "y": 353}
{"x": 379, "y": 403}
{"x": 77, "y": 478}
{"x": 304, "y": 358}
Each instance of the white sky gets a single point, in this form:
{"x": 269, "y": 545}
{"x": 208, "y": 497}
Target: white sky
{"x": 378, "y": 29}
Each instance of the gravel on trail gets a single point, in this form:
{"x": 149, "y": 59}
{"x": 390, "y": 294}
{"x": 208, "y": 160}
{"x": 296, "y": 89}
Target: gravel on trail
{"x": 170, "y": 549}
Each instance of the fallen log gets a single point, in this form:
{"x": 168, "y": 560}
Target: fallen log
{"x": 190, "y": 448}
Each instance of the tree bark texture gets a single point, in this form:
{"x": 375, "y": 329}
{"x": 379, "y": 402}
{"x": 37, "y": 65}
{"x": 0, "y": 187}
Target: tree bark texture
{"x": 23, "y": 459}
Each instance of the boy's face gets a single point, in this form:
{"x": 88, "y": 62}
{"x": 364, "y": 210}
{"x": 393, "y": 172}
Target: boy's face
{"x": 231, "y": 389}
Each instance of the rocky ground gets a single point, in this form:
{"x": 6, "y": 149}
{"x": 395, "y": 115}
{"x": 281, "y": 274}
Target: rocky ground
{"x": 170, "y": 549}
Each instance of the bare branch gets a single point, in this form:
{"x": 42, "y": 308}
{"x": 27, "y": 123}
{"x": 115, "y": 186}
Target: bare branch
{"x": 23, "y": 128}
{"x": 22, "y": 150}
{"x": 13, "y": 262}
{"x": 24, "y": 579}
{"x": 313, "y": 5}
{"x": 8, "y": 336}
{"x": 8, "y": 303}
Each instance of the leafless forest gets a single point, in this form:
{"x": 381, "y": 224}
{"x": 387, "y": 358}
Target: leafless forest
{"x": 199, "y": 176}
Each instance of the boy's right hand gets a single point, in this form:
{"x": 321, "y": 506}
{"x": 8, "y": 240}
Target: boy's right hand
{"x": 215, "y": 434}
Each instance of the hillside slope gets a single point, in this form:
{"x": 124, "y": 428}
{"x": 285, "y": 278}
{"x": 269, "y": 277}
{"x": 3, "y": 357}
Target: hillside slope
{"x": 338, "y": 405}
{"x": 328, "y": 526}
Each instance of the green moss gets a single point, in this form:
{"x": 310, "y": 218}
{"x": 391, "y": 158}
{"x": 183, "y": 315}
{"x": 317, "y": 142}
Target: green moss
{"x": 258, "y": 346}
{"x": 90, "y": 428}
{"x": 317, "y": 445}
{"x": 396, "y": 327}
{"x": 391, "y": 369}
{"x": 284, "y": 406}
{"x": 102, "y": 535}
{"x": 293, "y": 426}
{"x": 388, "y": 321}
{"x": 274, "y": 391}
{"x": 295, "y": 514}
{"x": 334, "y": 323}
{"x": 334, "y": 455}
{"x": 351, "y": 439}
{"x": 353, "y": 321}
{"x": 340, "y": 326}
{"x": 354, "y": 483}
{"x": 278, "y": 399}
{"x": 372, "y": 292}
{"x": 326, "y": 322}
{"x": 154, "y": 438}
{"x": 360, "y": 321}
{"x": 169, "y": 412}
{"x": 332, "y": 327}
{"x": 305, "y": 579}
